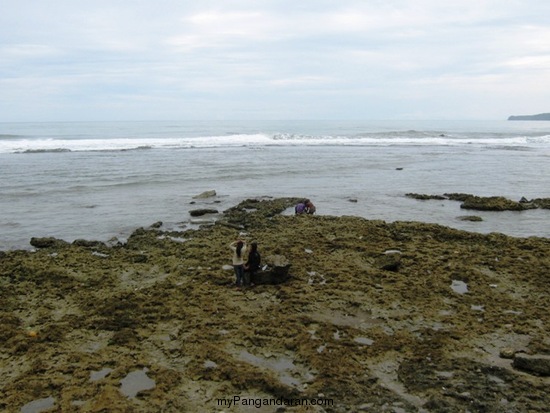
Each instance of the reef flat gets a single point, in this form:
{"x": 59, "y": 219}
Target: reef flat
{"x": 400, "y": 317}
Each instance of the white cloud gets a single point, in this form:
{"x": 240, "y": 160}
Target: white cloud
{"x": 272, "y": 58}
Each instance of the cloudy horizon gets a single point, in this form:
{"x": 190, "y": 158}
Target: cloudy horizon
{"x": 178, "y": 60}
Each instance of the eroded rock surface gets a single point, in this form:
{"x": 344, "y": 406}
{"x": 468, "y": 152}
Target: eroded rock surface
{"x": 343, "y": 329}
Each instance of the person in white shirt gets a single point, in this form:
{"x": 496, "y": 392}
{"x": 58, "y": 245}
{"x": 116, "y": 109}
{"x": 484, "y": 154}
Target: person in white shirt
{"x": 239, "y": 248}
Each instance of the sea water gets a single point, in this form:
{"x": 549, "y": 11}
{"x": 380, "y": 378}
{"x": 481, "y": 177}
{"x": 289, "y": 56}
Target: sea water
{"x": 98, "y": 180}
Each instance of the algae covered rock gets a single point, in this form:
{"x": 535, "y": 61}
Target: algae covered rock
{"x": 47, "y": 242}
{"x": 205, "y": 194}
{"x": 493, "y": 203}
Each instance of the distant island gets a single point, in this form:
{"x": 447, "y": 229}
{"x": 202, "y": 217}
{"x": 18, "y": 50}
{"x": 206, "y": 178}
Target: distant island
{"x": 540, "y": 116}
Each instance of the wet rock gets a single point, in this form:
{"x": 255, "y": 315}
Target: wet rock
{"x": 493, "y": 203}
{"x": 205, "y": 194}
{"x": 424, "y": 197}
{"x": 156, "y": 225}
{"x": 253, "y": 212}
{"x": 277, "y": 271}
{"x": 88, "y": 244}
{"x": 458, "y": 196}
{"x": 389, "y": 261}
{"x": 472, "y": 218}
{"x": 47, "y": 242}
{"x": 114, "y": 242}
{"x": 534, "y": 364}
{"x": 543, "y": 203}
{"x": 201, "y": 212}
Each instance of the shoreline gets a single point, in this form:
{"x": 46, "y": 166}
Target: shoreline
{"x": 375, "y": 315}
{"x": 473, "y": 210}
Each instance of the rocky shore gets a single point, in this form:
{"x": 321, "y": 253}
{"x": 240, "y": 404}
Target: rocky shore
{"x": 375, "y": 317}
{"x": 487, "y": 203}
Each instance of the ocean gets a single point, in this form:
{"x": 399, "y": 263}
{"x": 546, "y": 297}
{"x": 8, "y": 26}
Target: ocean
{"x": 100, "y": 180}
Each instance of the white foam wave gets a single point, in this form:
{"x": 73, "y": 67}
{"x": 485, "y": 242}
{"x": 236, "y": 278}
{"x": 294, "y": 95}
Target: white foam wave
{"x": 405, "y": 138}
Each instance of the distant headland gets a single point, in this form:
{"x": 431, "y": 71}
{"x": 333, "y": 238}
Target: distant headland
{"x": 540, "y": 116}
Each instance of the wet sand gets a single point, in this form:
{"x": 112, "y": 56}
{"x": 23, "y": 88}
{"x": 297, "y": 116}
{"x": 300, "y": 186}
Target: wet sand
{"x": 400, "y": 317}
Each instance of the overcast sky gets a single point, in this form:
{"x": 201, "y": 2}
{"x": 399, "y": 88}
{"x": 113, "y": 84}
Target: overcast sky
{"x": 176, "y": 59}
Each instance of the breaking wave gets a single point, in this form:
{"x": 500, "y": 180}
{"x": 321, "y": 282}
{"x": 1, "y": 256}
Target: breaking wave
{"x": 390, "y": 138}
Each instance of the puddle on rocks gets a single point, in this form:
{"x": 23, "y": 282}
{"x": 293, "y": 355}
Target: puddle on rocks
{"x": 288, "y": 373}
{"x": 101, "y": 374}
{"x": 459, "y": 287}
{"x": 356, "y": 318}
{"x": 364, "y": 340}
{"x": 135, "y": 382}
{"x": 37, "y": 406}
{"x": 386, "y": 372}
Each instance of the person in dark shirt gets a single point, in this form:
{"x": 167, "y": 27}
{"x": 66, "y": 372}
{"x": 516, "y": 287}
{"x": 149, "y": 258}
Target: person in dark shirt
{"x": 252, "y": 265}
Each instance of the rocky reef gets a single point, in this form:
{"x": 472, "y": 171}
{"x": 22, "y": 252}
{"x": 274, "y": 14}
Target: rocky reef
{"x": 487, "y": 203}
{"x": 374, "y": 317}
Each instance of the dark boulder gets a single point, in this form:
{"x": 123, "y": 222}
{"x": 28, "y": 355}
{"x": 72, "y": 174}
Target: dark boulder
{"x": 47, "y": 242}
{"x": 276, "y": 271}
{"x": 472, "y": 218}
{"x": 156, "y": 225}
{"x": 389, "y": 261}
{"x": 88, "y": 244}
{"x": 201, "y": 212}
{"x": 205, "y": 194}
{"x": 534, "y": 364}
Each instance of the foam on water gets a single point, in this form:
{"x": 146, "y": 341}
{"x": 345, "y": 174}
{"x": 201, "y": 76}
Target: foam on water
{"x": 60, "y": 145}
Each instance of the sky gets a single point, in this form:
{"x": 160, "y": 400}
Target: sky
{"x": 68, "y": 60}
